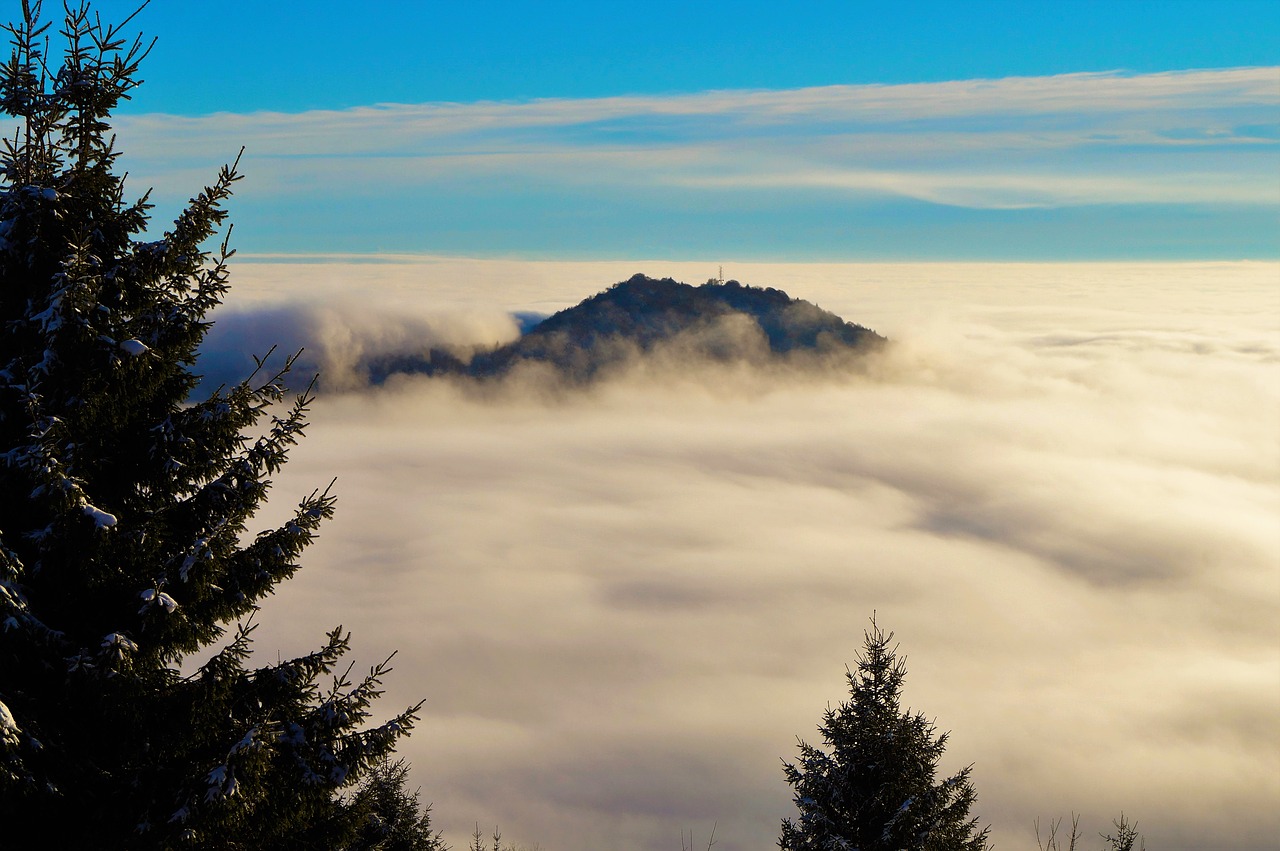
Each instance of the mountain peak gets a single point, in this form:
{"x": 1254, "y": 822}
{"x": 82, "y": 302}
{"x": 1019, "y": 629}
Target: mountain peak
{"x": 642, "y": 316}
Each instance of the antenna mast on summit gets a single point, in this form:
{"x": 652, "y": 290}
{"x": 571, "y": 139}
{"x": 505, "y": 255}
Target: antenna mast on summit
{"x": 720, "y": 280}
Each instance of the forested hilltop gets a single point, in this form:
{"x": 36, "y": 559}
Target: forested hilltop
{"x": 719, "y": 321}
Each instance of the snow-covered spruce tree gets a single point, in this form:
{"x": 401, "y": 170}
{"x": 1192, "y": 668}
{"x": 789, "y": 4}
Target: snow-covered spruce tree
{"x": 125, "y": 508}
{"x": 873, "y": 789}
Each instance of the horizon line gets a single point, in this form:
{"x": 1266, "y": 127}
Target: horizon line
{"x": 392, "y": 257}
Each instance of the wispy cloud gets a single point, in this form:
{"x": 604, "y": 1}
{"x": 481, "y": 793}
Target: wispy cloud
{"x": 1080, "y": 95}
{"x": 1195, "y": 137}
{"x": 993, "y": 190}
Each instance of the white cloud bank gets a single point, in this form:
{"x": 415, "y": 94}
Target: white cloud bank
{"x": 1061, "y": 489}
{"x": 1188, "y": 137}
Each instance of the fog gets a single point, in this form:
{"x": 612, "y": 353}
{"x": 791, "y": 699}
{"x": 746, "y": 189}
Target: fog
{"x": 1060, "y": 488}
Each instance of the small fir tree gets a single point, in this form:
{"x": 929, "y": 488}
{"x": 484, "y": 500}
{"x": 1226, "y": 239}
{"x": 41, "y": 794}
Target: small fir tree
{"x": 873, "y": 788}
{"x": 391, "y": 817}
{"x": 1126, "y": 837}
{"x": 125, "y": 543}
{"x": 477, "y": 840}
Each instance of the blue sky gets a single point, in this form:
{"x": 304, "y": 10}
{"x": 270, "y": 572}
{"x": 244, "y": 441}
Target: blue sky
{"x": 294, "y": 56}
{"x": 827, "y": 131}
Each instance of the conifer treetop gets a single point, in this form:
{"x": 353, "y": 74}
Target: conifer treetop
{"x": 127, "y": 540}
{"x": 873, "y": 786}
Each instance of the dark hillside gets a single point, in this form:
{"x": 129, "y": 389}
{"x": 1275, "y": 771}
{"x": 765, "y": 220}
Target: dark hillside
{"x": 716, "y": 321}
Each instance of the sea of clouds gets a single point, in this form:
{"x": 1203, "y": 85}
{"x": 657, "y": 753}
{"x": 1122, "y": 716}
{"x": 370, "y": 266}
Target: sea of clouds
{"x": 1060, "y": 488}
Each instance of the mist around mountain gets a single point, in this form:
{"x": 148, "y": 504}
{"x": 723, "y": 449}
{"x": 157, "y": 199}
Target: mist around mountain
{"x": 655, "y": 320}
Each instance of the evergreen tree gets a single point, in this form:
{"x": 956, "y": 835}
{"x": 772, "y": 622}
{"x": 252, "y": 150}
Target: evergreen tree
{"x": 392, "y": 818}
{"x": 873, "y": 789}
{"x": 125, "y": 510}
{"x": 1126, "y": 837}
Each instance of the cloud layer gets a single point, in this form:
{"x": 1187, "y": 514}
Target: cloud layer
{"x": 561, "y": 172}
{"x": 1061, "y": 489}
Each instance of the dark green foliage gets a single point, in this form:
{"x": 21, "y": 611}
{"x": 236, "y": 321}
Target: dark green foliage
{"x": 391, "y": 817}
{"x": 873, "y": 788}
{"x": 125, "y": 509}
